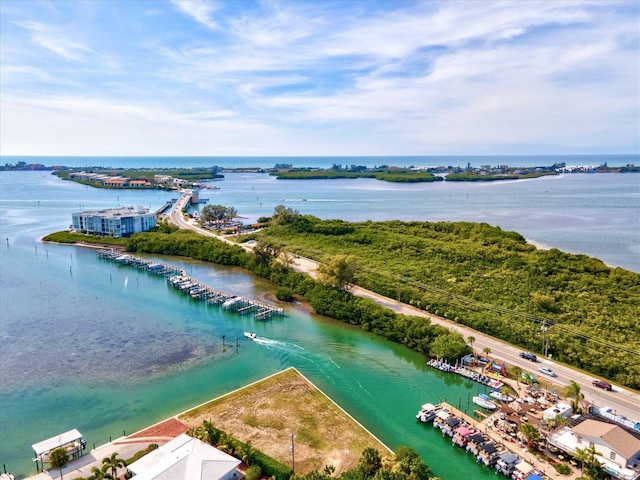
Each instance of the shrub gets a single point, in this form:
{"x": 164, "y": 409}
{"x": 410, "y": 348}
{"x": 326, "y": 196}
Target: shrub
{"x": 253, "y": 473}
{"x": 562, "y": 468}
{"x": 284, "y": 294}
{"x": 271, "y": 467}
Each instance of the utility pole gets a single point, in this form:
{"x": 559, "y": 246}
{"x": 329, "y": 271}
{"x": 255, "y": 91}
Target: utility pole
{"x": 293, "y": 454}
{"x": 545, "y": 343}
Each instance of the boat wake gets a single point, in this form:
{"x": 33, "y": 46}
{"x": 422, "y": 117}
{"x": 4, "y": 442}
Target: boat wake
{"x": 291, "y": 348}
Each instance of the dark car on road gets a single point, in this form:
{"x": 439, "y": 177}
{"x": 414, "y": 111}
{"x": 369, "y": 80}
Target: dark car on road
{"x": 601, "y": 384}
{"x": 528, "y": 356}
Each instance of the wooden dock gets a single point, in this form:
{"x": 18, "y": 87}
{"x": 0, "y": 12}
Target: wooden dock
{"x": 178, "y": 278}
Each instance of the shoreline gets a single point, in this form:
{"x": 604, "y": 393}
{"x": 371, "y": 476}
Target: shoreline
{"x": 167, "y": 428}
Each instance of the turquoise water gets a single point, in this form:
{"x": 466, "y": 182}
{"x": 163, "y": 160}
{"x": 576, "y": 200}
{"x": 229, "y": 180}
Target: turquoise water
{"x": 91, "y": 345}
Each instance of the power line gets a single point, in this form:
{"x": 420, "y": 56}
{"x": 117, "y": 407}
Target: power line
{"x": 472, "y": 304}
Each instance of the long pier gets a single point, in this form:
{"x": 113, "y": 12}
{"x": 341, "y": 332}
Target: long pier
{"x": 178, "y": 278}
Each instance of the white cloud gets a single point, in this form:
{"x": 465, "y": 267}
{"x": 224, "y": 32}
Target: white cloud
{"x": 294, "y": 76}
{"x": 200, "y": 10}
{"x": 56, "y": 40}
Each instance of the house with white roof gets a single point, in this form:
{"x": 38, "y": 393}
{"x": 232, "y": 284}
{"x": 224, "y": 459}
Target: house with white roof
{"x": 617, "y": 448}
{"x": 186, "y": 458}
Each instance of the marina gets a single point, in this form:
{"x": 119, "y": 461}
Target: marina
{"x": 479, "y": 439}
{"x": 178, "y": 278}
{"x": 465, "y": 372}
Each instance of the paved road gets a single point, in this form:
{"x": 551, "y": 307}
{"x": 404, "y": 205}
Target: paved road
{"x": 622, "y": 401}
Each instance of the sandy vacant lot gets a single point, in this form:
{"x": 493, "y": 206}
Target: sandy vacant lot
{"x": 267, "y": 412}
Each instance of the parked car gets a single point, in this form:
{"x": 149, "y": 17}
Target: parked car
{"x": 547, "y": 371}
{"x": 601, "y": 384}
{"x": 528, "y": 356}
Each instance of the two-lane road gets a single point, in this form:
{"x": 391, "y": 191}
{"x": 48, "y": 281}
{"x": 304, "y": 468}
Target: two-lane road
{"x": 622, "y": 401}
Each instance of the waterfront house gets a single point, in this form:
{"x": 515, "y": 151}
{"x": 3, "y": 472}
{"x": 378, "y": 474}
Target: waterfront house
{"x": 618, "y": 449}
{"x": 474, "y": 442}
{"x": 441, "y": 417}
{"x": 114, "y": 222}
{"x": 461, "y": 436}
{"x": 139, "y": 183}
{"x": 114, "y": 182}
{"x": 450, "y": 424}
{"x": 524, "y": 471}
{"x": 488, "y": 453}
{"x": 506, "y": 463}
{"x": 186, "y": 458}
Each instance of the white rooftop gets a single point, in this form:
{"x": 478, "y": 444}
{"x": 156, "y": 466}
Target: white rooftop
{"x": 57, "y": 441}
{"x": 184, "y": 458}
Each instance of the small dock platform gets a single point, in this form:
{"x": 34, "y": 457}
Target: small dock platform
{"x": 178, "y": 278}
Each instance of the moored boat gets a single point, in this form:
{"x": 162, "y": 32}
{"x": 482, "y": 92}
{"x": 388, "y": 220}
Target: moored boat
{"x": 483, "y": 401}
{"x": 498, "y": 395}
{"x": 428, "y": 412}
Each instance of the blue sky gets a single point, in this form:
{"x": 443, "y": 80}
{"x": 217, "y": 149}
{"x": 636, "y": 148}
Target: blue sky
{"x": 294, "y": 77}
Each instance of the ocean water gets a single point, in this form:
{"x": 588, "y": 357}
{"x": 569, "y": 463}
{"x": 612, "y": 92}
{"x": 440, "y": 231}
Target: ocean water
{"x": 103, "y": 348}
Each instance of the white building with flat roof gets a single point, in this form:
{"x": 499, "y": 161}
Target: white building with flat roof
{"x": 114, "y": 222}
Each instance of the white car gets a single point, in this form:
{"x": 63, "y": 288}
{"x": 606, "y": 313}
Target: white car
{"x": 547, "y": 371}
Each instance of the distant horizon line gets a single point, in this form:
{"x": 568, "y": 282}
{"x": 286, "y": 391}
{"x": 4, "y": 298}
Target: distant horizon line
{"x": 334, "y": 156}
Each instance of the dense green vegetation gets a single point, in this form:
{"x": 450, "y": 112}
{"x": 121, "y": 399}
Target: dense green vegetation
{"x": 474, "y": 177}
{"x": 72, "y": 237}
{"x": 387, "y": 175}
{"x": 490, "y": 280}
{"x": 406, "y": 465}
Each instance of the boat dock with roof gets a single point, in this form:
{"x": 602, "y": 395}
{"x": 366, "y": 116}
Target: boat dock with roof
{"x": 178, "y": 278}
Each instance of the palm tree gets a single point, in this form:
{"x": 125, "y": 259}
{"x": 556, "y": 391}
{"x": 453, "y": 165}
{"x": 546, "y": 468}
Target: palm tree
{"x": 581, "y": 456}
{"x": 247, "y": 452}
{"x": 573, "y": 391}
{"x": 226, "y": 444}
{"x": 592, "y": 468}
{"x": 530, "y": 433}
{"x": 212, "y": 434}
{"x": 487, "y": 352}
{"x": 517, "y": 371}
{"x": 471, "y": 339}
{"x": 101, "y": 473}
{"x": 58, "y": 458}
{"x": 113, "y": 463}
{"x": 561, "y": 421}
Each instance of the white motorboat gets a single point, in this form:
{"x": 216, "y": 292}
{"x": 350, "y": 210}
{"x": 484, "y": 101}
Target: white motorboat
{"x": 501, "y": 396}
{"x": 231, "y": 302}
{"x": 484, "y": 402}
{"x": 250, "y": 335}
